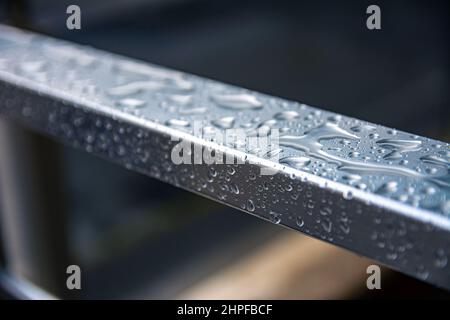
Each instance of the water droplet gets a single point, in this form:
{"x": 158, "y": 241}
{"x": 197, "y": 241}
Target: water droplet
{"x": 393, "y": 155}
{"x": 431, "y": 170}
{"x": 325, "y": 211}
{"x": 392, "y": 256}
{"x": 273, "y": 153}
{"x": 237, "y": 101}
{"x": 131, "y": 103}
{"x": 392, "y": 132}
{"x": 335, "y": 118}
{"x": 177, "y": 123}
{"x": 429, "y": 191}
{"x": 181, "y": 99}
{"x": 224, "y": 122}
{"x": 422, "y": 273}
{"x": 286, "y": 115}
{"x": 275, "y": 217}
{"x": 348, "y": 194}
{"x": 234, "y": 188}
{"x": 296, "y": 162}
{"x": 400, "y": 145}
{"x": 136, "y": 87}
{"x": 441, "y": 259}
{"x": 436, "y": 160}
{"x": 361, "y": 186}
{"x": 352, "y": 178}
{"x": 268, "y": 123}
{"x": 300, "y": 222}
{"x": 327, "y": 225}
{"x": 360, "y": 128}
{"x": 212, "y": 173}
{"x": 388, "y": 187}
{"x": 160, "y": 77}
{"x": 250, "y": 206}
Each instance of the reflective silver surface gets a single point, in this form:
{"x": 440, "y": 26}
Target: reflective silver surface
{"x": 377, "y": 191}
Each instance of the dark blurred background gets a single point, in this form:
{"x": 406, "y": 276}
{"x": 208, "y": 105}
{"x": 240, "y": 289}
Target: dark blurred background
{"x": 156, "y": 241}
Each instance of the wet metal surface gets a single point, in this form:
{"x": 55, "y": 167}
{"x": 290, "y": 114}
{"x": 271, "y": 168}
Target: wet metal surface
{"x": 377, "y": 191}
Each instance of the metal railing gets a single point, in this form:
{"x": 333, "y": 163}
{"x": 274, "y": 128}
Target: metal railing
{"x": 374, "y": 190}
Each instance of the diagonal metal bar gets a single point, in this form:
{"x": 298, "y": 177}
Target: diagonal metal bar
{"x": 376, "y": 191}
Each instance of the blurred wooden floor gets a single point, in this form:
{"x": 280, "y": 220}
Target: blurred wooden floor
{"x": 291, "y": 267}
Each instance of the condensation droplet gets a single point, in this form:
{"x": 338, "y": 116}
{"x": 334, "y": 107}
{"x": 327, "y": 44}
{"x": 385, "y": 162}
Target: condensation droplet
{"x": 224, "y": 122}
{"x": 177, "y": 123}
{"x": 250, "y": 206}
{"x": 131, "y": 103}
{"x": 237, "y": 101}
{"x": 286, "y": 115}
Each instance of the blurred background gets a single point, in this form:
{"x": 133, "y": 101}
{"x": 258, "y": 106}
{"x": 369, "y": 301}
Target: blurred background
{"x": 135, "y": 237}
